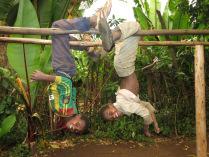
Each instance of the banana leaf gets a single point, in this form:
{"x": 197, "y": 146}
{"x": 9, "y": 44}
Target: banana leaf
{"x": 166, "y": 16}
{"x": 12, "y": 15}
{"x": 141, "y": 18}
{"x": 173, "y": 5}
{"x": 180, "y": 21}
{"x": 45, "y": 60}
{"x": 5, "y": 7}
{"x": 146, "y": 6}
{"x": 60, "y": 8}
{"x": 26, "y": 18}
{"x": 45, "y": 12}
{"x": 154, "y": 5}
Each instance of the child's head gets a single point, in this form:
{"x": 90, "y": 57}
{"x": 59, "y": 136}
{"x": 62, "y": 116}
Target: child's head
{"x": 109, "y": 112}
{"x": 78, "y": 124}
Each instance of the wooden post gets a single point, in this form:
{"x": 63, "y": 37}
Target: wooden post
{"x": 201, "y": 139}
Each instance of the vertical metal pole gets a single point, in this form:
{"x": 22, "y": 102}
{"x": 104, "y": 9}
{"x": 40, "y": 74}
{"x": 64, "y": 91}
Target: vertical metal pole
{"x": 201, "y": 140}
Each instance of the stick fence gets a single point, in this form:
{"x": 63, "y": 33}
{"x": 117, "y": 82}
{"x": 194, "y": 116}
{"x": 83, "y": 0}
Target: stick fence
{"x": 99, "y": 43}
{"x": 53, "y": 31}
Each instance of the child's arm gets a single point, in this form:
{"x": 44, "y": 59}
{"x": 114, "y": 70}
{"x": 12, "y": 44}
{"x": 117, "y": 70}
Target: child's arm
{"x": 40, "y": 76}
{"x": 150, "y": 66}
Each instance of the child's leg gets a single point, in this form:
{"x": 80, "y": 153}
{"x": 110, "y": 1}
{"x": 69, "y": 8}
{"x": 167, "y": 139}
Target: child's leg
{"x": 127, "y": 29}
{"x": 157, "y": 129}
{"x": 152, "y": 113}
{"x": 146, "y": 126}
{"x": 125, "y": 48}
{"x": 62, "y": 59}
{"x": 146, "y": 130}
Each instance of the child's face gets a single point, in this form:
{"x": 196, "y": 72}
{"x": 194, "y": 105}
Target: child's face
{"x": 76, "y": 124}
{"x": 111, "y": 113}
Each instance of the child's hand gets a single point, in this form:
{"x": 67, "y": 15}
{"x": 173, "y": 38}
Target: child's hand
{"x": 90, "y": 50}
{"x": 38, "y": 76}
{"x": 155, "y": 60}
{"x": 150, "y": 66}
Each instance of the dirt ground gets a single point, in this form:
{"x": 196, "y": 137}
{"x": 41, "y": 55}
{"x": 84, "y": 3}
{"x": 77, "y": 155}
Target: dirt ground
{"x": 162, "y": 147}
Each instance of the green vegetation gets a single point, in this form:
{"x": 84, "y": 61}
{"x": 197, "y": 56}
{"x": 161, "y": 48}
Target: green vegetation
{"x": 169, "y": 84}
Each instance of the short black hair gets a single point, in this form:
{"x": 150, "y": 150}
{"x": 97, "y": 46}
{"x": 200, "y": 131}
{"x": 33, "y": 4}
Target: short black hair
{"x": 102, "y": 111}
{"x": 87, "y": 124}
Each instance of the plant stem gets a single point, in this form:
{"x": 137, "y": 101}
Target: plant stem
{"x": 30, "y": 109}
{"x": 27, "y": 78}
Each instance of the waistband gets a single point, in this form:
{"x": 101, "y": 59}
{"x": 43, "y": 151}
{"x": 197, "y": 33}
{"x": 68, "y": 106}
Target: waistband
{"x": 61, "y": 73}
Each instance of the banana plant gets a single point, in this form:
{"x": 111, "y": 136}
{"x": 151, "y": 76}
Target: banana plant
{"x": 154, "y": 6}
{"x": 5, "y": 7}
{"x": 47, "y": 10}
{"x": 146, "y": 14}
{"x": 25, "y": 58}
{"x": 173, "y": 17}
{"x": 31, "y": 57}
{"x": 51, "y": 10}
{"x": 179, "y": 16}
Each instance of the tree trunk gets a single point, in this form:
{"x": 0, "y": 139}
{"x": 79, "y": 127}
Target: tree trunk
{"x": 3, "y": 56}
{"x": 3, "y": 62}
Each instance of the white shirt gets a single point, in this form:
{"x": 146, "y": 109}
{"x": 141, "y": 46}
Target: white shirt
{"x": 128, "y": 103}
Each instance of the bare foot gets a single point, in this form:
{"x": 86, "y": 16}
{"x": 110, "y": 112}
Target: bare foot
{"x": 157, "y": 130}
{"x": 147, "y": 133}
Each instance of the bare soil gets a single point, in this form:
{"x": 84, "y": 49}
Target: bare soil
{"x": 162, "y": 147}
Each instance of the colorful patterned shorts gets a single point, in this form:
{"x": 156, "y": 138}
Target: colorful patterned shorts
{"x": 62, "y": 96}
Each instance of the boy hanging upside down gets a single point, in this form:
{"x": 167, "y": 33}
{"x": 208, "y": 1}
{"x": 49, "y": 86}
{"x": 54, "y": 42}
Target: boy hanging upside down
{"x": 61, "y": 92}
{"x": 127, "y": 98}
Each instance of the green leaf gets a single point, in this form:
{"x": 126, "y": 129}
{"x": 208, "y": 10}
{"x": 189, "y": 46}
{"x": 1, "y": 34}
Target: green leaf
{"x": 5, "y": 73}
{"x": 146, "y": 6}
{"x": 11, "y": 17}
{"x": 180, "y": 21}
{"x": 60, "y": 8}
{"x": 141, "y": 18}
{"x": 154, "y": 5}
{"x": 2, "y": 107}
{"x": 5, "y": 84}
{"x": 173, "y": 5}
{"x": 45, "y": 13}
{"x": 166, "y": 15}
{"x": 7, "y": 124}
{"x": 26, "y": 18}
{"x": 45, "y": 59}
{"x": 5, "y": 7}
